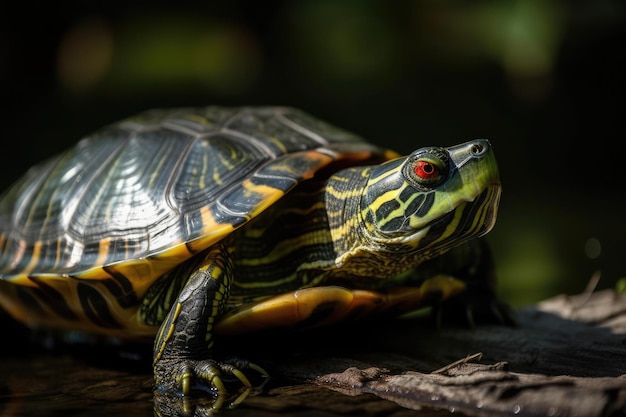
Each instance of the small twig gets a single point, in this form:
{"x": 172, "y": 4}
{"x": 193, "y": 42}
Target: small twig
{"x": 478, "y": 356}
{"x": 590, "y": 288}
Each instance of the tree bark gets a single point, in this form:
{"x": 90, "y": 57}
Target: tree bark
{"x": 566, "y": 357}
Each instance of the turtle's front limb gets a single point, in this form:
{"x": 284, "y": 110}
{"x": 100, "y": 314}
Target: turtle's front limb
{"x": 460, "y": 284}
{"x": 472, "y": 263}
{"x": 182, "y": 350}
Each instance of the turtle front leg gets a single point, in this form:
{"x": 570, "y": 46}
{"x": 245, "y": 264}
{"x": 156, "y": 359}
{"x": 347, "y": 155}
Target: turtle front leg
{"x": 472, "y": 264}
{"x": 182, "y": 350}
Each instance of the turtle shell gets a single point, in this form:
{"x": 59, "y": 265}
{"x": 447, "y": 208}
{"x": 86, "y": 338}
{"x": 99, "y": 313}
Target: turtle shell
{"x": 139, "y": 197}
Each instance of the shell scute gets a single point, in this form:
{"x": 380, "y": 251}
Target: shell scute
{"x": 162, "y": 185}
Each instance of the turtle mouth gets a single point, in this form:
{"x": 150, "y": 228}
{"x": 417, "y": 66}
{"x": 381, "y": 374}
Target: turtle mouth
{"x": 480, "y": 214}
{"x": 470, "y": 219}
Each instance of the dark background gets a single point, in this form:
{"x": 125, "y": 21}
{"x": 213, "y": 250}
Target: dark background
{"x": 543, "y": 80}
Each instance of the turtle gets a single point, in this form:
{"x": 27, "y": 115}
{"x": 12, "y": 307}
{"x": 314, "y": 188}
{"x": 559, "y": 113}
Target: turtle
{"x": 184, "y": 226}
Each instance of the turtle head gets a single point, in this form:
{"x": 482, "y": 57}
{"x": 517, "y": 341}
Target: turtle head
{"x": 433, "y": 199}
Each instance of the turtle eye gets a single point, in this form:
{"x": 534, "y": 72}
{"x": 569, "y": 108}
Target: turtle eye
{"x": 427, "y": 168}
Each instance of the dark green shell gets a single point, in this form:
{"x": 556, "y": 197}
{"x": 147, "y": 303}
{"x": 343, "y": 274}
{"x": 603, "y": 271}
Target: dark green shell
{"x": 138, "y": 188}
{"x": 141, "y": 196}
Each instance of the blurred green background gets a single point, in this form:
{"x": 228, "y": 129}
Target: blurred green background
{"x": 543, "y": 80}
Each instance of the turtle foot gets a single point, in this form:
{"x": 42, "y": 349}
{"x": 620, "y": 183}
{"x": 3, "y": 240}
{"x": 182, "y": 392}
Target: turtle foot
{"x": 476, "y": 306}
{"x": 225, "y": 381}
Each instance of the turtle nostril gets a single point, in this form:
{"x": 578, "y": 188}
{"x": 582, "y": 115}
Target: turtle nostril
{"x": 479, "y": 148}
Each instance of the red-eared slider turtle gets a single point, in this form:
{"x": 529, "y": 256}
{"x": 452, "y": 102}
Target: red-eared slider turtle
{"x": 186, "y": 225}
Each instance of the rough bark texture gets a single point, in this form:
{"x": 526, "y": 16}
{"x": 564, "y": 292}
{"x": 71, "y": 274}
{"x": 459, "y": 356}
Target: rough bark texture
{"x": 567, "y": 357}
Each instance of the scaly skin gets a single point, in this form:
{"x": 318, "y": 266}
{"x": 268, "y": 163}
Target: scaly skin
{"x": 182, "y": 349}
{"x": 370, "y": 251}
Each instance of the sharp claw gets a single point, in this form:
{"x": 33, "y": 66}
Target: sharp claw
{"x": 258, "y": 369}
{"x": 241, "y": 377}
{"x": 219, "y": 403}
{"x": 219, "y": 386}
{"x": 185, "y": 383}
{"x": 207, "y": 374}
{"x": 240, "y": 398}
{"x": 188, "y": 408}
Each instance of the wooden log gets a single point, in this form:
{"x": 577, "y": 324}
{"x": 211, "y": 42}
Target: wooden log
{"x": 567, "y": 357}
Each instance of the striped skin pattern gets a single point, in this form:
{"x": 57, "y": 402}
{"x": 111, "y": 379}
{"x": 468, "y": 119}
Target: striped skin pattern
{"x": 173, "y": 225}
{"x": 359, "y": 228}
